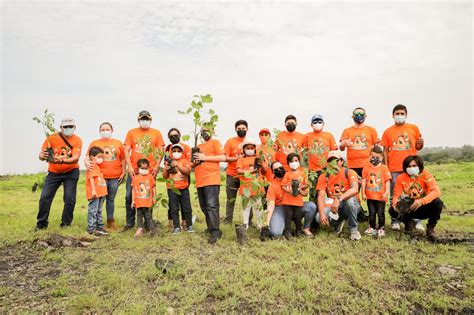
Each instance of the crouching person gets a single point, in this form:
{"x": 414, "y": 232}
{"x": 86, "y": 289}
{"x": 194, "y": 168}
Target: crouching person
{"x": 416, "y": 196}
{"x": 143, "y": 197}
{"x": 337, "y": 196}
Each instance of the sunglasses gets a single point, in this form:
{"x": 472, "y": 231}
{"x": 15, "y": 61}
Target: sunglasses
{"x": 68, "y": 127}
{"x": 358, "y": 113}
{"x": 264, "y": 134}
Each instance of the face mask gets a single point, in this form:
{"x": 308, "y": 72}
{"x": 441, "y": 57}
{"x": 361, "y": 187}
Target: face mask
{"x": 318, "y": 126}
{"x": 143, "y": 171}
{"x": 68, "y": 131}
{"x": 358, "y": 119}
{"x": 413, "y": 171}
{"x": 291, "y": 127}
{"x": 249, "y": 152}
{"x": 206, "y": 136}
{"x": 106, "y": 134}
{"x": 174, "y": 139}
{"x": 279, "y": 172}
{"x": 177, "y": 155}
{"x": 263, "y": 139}
{"x": 399, "y": 119}
{"x": 144, "y": 124}
{"x": 294, "y": 165}
{"x": 241, "y": 133}
{"x": 99, "y": 160}
{"x": 374, "y": 161}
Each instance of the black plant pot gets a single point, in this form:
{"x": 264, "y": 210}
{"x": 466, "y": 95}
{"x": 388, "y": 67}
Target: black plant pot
{"x": 194, "y": 150}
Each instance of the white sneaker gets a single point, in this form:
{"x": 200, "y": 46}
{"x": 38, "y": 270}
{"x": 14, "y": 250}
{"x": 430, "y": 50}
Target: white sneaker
{"x": 381, "y": 232}
{"x": 395, "y": 226}
{"x": 355, "y": 235}
{"x": 369, "y": 231}
{"x": 419, "y": 227}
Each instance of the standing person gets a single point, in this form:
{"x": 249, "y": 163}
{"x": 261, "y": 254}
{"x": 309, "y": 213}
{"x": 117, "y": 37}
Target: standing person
{"x": 113, "y": 168}
{"x": 62, "y": 170}
{"x": 233, "y": 153}
{"x": 318, "y": 143}
{"x": 208, "y": 180}
{"x": 359, "y": 140}
{"x": 133, "y": 153}
{"x": 143, "y": 195}
{"x": 289, "y": 141}
{"x": 400, "y": 141}
{"x": 375, "y": 189}
{"x": 266, "y": 151}
{"x": 177, "y": 173}
{"x": 96, "y": 190}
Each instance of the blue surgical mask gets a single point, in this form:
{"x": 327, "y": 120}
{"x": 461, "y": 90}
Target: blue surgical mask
{"x": 400, "y": 119}
{"x": 68, "y": 131}
{"x": 413, "y": 171}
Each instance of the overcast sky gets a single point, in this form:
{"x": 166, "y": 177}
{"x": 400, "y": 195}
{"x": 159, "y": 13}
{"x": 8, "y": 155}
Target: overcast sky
{"x": 105, "y": 61}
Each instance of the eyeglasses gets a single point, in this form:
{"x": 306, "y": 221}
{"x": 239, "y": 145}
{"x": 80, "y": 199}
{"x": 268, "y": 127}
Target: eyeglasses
{"x": 264, "y": 134}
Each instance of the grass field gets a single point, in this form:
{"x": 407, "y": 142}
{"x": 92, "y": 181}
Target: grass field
{"x": 325, "y": 274}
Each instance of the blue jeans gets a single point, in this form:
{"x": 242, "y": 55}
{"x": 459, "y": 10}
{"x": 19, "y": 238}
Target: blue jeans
{"x": 392, "y": 186}
{"x": 112, "y": 187}
{"x": 277, "y": 221}
{"x": 348, "y": 210}
{"x": 94, "y": 214}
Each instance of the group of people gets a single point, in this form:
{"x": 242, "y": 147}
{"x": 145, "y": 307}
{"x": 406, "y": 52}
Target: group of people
{"x": 292, "y": 178}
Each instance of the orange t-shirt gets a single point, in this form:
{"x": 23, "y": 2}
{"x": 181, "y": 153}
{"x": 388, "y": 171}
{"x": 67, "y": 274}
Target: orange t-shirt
{"x": 209, "y": 173}
{"x": 289, "y": 199}
{"x": 113, "y": 156}
{"x": 400, "y": 142}
{"x": 232, "y": 149}
{"x": 268, "y": 153}
{"x": 246, "y": 163}
{"x": 375, "y": 181}
{"x": 318, "y": 145}
{"x": 275, "y": 192}
{"x": 186, "y": 150}
{"x": 180, "y": 181}
{"x": 132, "y": 139}
{"x": 142, "y": 186}
{"x": 337, "y": 184}
{"x": 288, "y": 142}
{"x": 422, "y": 187}
{"x": 363, "y": 139}
{"x": 99, "y": 182}
{"x": 61, "y": 150}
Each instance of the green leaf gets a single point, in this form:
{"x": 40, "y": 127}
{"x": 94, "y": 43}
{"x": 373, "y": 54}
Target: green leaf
{"x": 181, "y": 112}
{"x": 185, "y": 138}
{"x": 161, "y": 180}
{"x": 206, "y": 98}
{"x": 214, "y": 118}
{"x": 189, "y": 110}
{"x": 212, "y": 112}
{"x": 164, "y": 203}
{"x": 247, "y": 193}
{"x": 197, "y": 115}
{"x": 248, "y": 175}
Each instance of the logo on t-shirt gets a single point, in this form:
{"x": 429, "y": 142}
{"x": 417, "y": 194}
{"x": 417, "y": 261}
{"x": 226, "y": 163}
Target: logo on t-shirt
{"x": 414, "y": 190}
{"x": 110, "y": 153}
{"x": 290, "y": 147}
{"x": 63, "y": 153}
{"x": 374, "y": 182}
{"x": 338, "y": 189}
{"x": 143, "y": 190}
{"x": 401, "y": 143}
{"x": 360, "y": 142}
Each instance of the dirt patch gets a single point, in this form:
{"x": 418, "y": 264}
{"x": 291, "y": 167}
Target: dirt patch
{"x": 55, "y": 241}
{"x": 469, "y": 212}
{"x": 455, "y": 238}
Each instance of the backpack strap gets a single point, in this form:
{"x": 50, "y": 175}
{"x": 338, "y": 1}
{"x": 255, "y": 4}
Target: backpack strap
{"x": 65, "y": 141}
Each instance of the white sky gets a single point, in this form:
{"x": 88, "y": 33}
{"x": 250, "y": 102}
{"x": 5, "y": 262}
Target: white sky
{"x": 105, "y": 61}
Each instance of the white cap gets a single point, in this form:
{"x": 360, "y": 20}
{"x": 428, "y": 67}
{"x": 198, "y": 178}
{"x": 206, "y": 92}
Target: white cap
{"x": 246, "y": 142}
{"x": 67, "y": 122}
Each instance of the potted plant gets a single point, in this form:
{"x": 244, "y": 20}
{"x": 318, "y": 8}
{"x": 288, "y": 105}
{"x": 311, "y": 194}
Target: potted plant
{"x": 47, "y": 122}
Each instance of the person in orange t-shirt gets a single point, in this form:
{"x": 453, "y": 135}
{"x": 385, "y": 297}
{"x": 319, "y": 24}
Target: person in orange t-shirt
{"x": 113, "y": 168}
{"x": 233, "y": 152}
{"x": 63, "y": 169}
{"x": 289, "y": 141}
{"x": 177, "y": 170}
{"x": 133, "y": 152}
{"x": 359, "y": 140}
{"x": 400, "y": 141}
{"x": 418, "y": 184}
{"x": 208, "y": 180}
{"x": 266, "y": 151}
{"x": 295, "y": 187}
{"x": 96, "y": 190}
{"x": 143, "y": 193}
{"x": 376, "y": 179}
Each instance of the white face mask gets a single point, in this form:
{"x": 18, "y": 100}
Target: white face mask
{"x": 413, "y": 171}
{"x": 106, "y": 134}
{"x": 143, "y": 171}
{"x": 318, "y": 127}
{"x": 400, "y": 119}
{"x": 249, "y": 152}
{"x": 177, "y": 155}
{"x": 294, "y": 165}
{"x": 144, "y": 124}
{"x": 68, "y": 131}
{"x": 99, "y": 160}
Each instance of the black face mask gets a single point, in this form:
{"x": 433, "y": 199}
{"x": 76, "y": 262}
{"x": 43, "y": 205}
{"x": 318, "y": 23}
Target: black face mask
{"x": 241, "y": 133}
{"x": 374, "y": 161}
{"x": 291, "y": 127}
{"x": 174, "y": 139}
{"x": 279, "y": 172}
{"x": 206, "y": 136}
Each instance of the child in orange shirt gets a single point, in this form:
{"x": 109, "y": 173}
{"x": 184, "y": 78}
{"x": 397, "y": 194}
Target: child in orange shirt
{"x": 376, "y": 179}
{"x": 143, "y": 193}
{"x": 295, "y": 187}
{"x": 96, "y": 190}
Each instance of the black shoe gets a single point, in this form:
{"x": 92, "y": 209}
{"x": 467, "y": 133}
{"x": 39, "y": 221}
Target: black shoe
{"x": 227, "y": 221}
{"x": 126, "y": 228}
{"x": 39, "y": 228}
{"x": 288, "y": 235}
{"x": 213, "y": 239}
{"x": 299, "y": 234}
{"x": 64, "y": 225}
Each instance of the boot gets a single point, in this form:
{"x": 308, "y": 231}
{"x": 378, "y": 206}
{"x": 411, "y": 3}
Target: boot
{"x": 241, "y": 232}
{"x": 430, "y": 232}
{"x": 111, "y": 226}
{"x": 409, "y": 227}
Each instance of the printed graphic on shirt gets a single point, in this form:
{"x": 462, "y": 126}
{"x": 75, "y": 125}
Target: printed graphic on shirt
{"x": 110, "y": 153}
{"x": 401, "y": 143}
{"x": 414, "y": 190}
{"x": 63, "y": 153}
{"x": 375, "y": 182}
{"x": 290, "y": 147}
{"x": 360, "y": 142}
{"x": 144, "y": 190}
{"x": 339, "y": 189}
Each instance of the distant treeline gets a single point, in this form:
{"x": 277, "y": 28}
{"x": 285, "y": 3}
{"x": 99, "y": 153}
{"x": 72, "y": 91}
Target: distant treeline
{"x": 440, "y": 155}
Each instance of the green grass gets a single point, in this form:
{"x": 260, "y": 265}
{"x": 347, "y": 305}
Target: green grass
{"x": 327, "y": 274}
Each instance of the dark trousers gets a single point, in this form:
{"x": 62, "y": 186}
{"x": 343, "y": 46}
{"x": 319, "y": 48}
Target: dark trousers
{"x": 231, "y": 188}
{"x": 144, "y": 219}
{"x": 376, "y": 209}
{"x": 358, "y": 170}
{"x": 209, "y": 202}
{"x": 431, "y": 211}
{"x": 292, "y": 213}
{"x": 50, "y": 186}
{"x": 183, "y": 200}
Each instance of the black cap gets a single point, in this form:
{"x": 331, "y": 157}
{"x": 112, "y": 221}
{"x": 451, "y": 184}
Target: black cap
{"x": 144, "y": 113}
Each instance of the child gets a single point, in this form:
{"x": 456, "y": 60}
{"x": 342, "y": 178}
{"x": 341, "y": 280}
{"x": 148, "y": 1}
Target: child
{"x": 375, "y": 189}
{"x": 250, "y": 193}
{"x": 96, "y": 190}
{"x": 294, "y": 186}
{"x": 143, "y": 193}
{"x": 177, "y": 171}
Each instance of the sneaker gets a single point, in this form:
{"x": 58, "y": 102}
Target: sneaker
{"x": 395, "y": 226}
{"x": 194, "y": 219}
{"x": 64, "y": 225}
{"x": 355, "y": 235}
{"x": 288, "y": 235}
{"x": 139, "y": 232}
{"x": 100, "y": 233}
{"x": 369, "y": 231}
{"x": 419, "y": 227}
{"x": 339, "y": 227}
{"x": 190, "y": 229}
{"x": 212, "y": 239}
{"x": 227, "y": 221}
{"x": 381, "y": 232}
{"x": 176, "y": 231}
